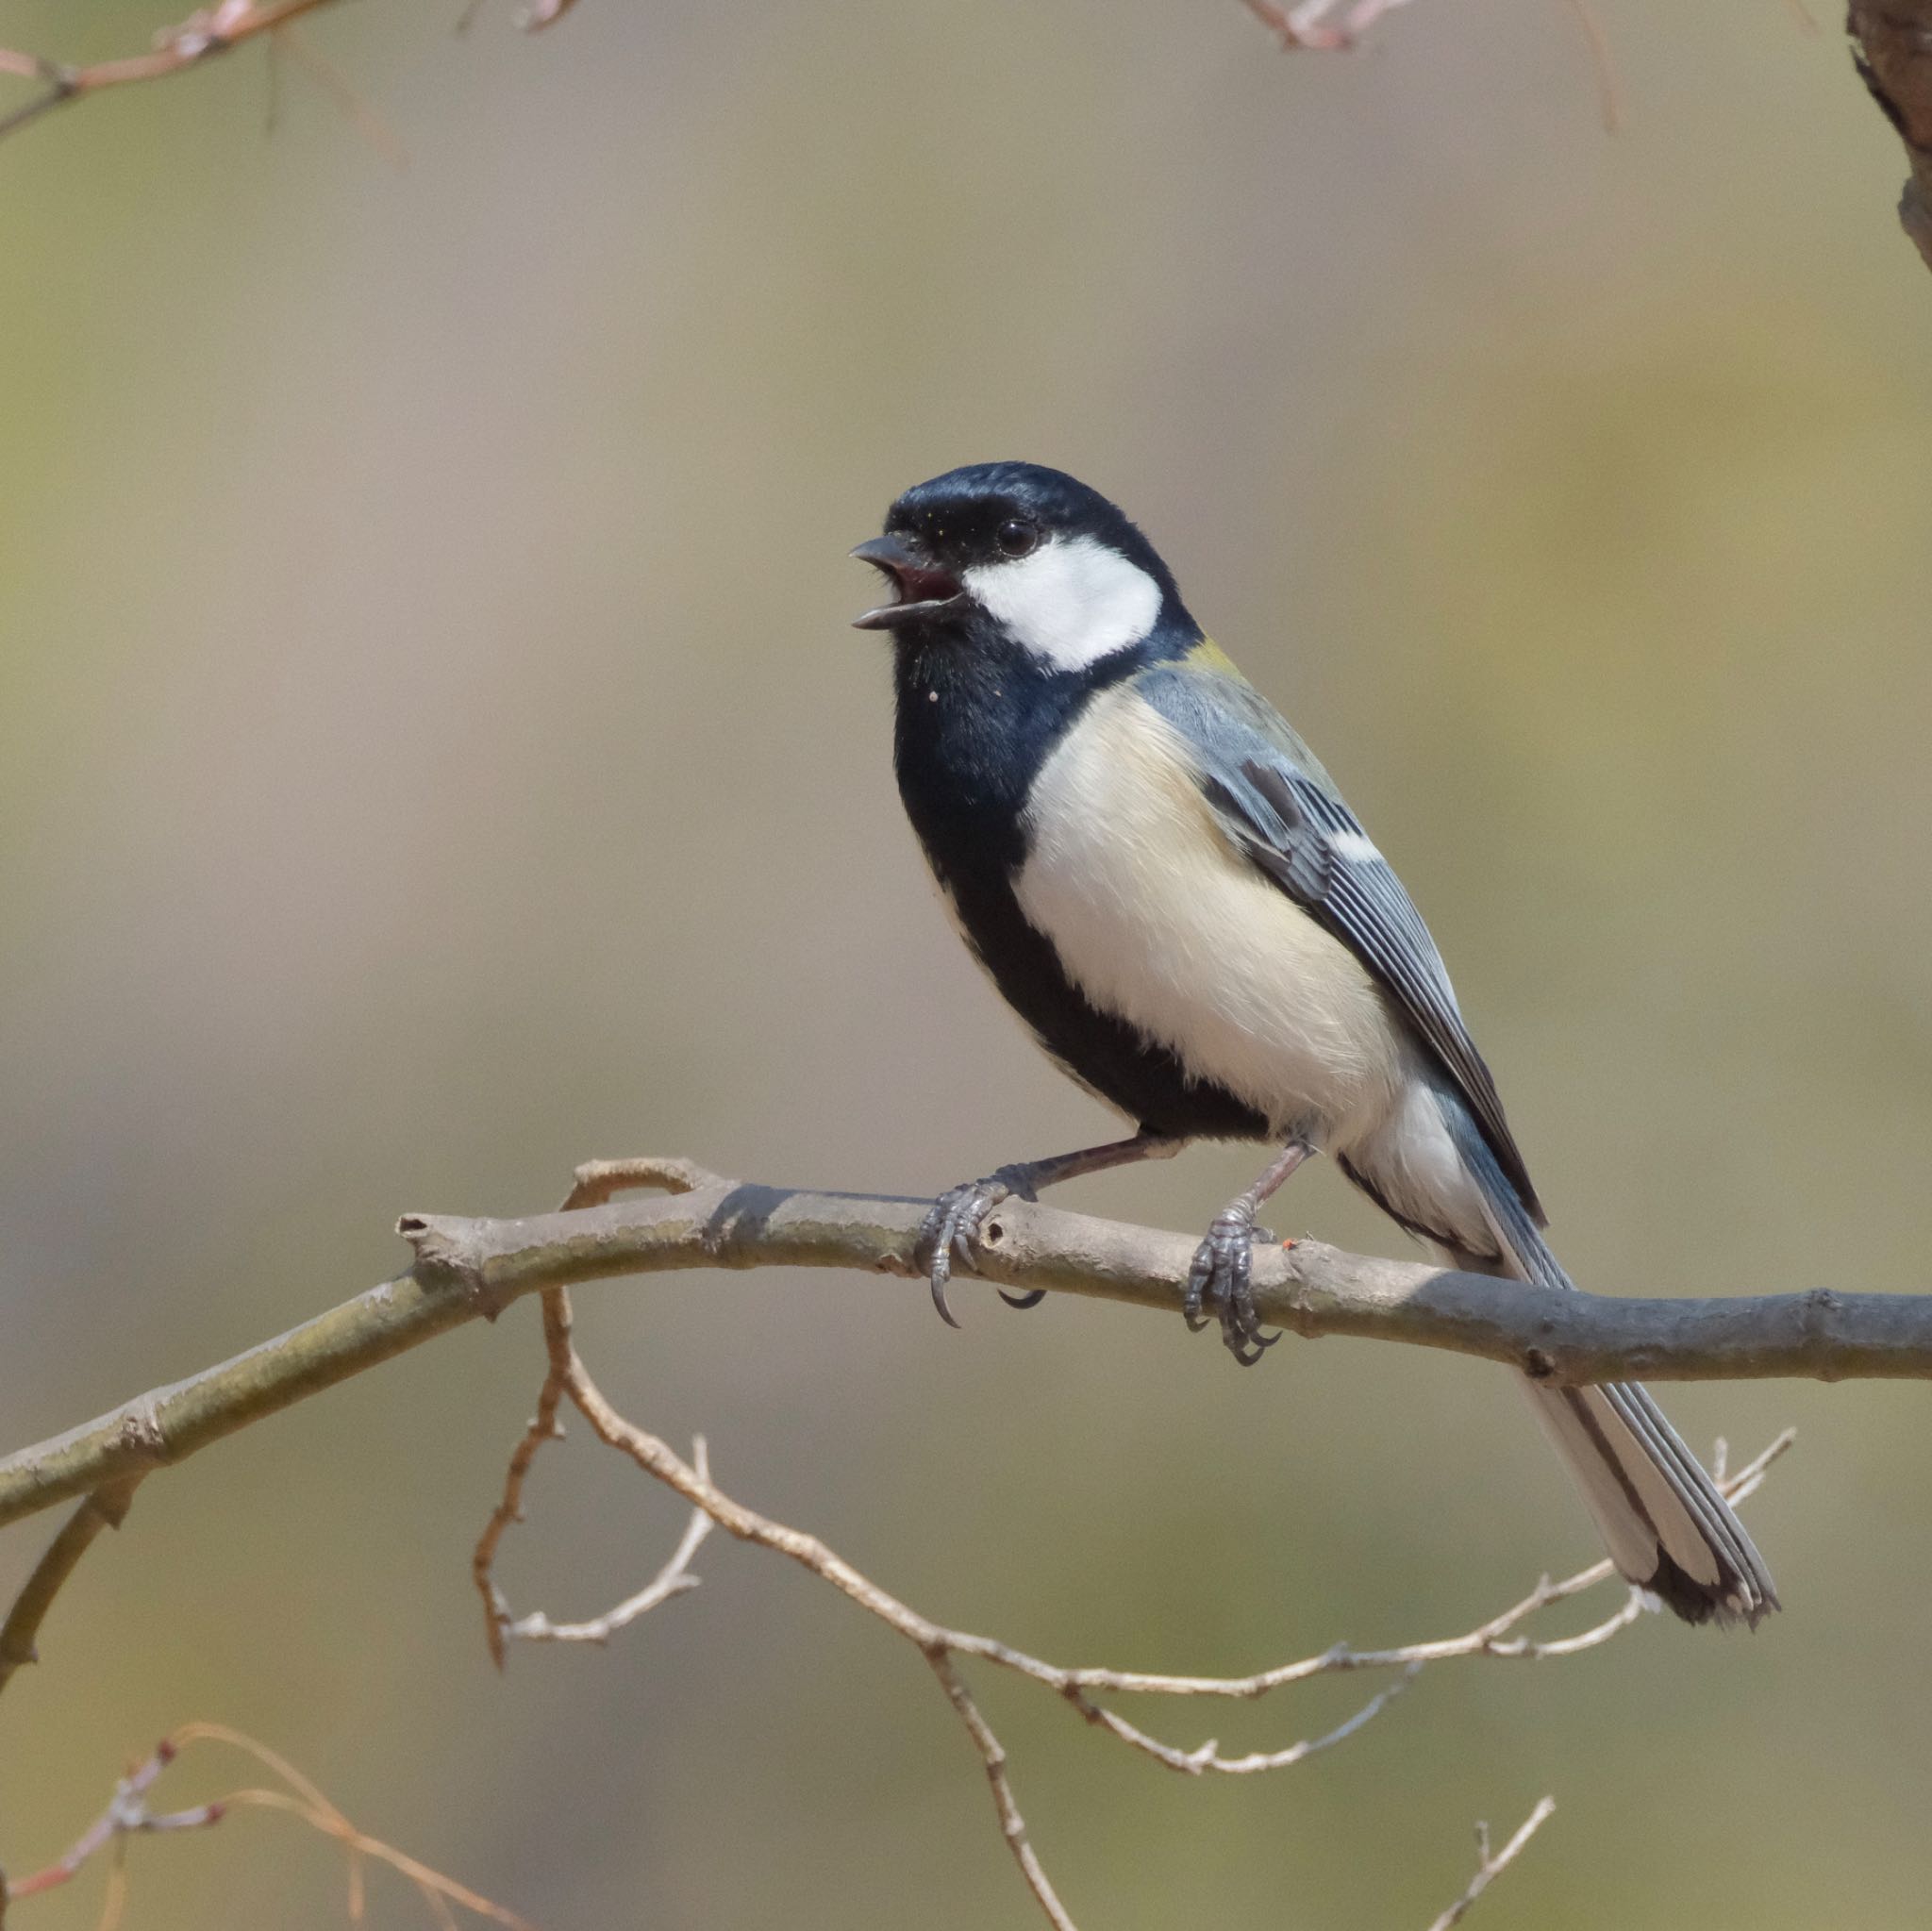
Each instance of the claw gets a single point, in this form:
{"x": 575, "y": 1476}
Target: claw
{"x": 939, "y": 1276}
{"x": 950, "y": 1229}
{"x": 1031, "y": 1298}
{"x": 1199, "y": 1274}
{"x": 1222, "y": 1280}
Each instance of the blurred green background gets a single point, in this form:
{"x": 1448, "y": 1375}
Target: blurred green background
{"x": 432, "y": 753}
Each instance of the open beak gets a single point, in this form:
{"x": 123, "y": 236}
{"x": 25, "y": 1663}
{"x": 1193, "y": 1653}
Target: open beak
{"x": 923, "y": 589}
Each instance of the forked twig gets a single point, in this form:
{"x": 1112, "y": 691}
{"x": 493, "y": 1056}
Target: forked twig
{"x": 207, "y": 31}
{"x": 128, "y": 1815}
{"x": 566, "y": 1378}
{"x": 1488, "y": 1866}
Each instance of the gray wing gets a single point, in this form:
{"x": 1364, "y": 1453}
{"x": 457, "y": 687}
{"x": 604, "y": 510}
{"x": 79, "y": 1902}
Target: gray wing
{"x": 1282, "y": 809}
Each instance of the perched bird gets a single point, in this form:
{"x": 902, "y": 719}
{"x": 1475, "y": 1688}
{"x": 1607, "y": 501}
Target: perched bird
{"x": 1167, "y": 887}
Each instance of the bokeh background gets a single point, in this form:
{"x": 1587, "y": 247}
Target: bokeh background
{"x": 432, "y": 753}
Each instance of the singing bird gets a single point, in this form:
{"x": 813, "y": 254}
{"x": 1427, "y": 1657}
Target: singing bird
{"x": 1167, "y": 887}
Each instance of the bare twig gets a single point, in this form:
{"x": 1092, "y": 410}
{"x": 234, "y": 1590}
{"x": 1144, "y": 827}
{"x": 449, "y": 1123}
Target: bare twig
{"x": 673, "y": 1579}
{"x": 105, "y": 1508}
{"x": 471, "y": 1267}
{"x": 591, "y": 1185}
{"x": 943, "y": 1647}
{"x": 210, "y": 30}
{"x": 207, "y": 31}
{"x": 1321, "y": 26}
{"x": 342, "y": 96}
{"x": 567, "y": 1378}
{"x": 128, "y": 1815}
{"x": 993, "y": 1754}
{"x": 1488, "y": 1867}
{"x": 1601, "y": 65}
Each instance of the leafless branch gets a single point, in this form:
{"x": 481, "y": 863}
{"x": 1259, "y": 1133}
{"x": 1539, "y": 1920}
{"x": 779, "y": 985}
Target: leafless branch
{"x": 128, "y": 1815}
{"x": 1321, "y": 26}
{"x": 105, "y": 1508}
{"x": 207, "y": 31}
{"x": 1488, "y": 1867}
{"x": 566, "y": 1378}
{"x": 471, "y": 1267}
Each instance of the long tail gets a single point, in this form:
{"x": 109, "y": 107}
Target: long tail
{"x": 1666, "y": 1527}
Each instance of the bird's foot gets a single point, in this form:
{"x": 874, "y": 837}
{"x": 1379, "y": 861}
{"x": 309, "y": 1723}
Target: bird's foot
{"x": 1221, "y": 1282}
{"x": 950, "y": 1233}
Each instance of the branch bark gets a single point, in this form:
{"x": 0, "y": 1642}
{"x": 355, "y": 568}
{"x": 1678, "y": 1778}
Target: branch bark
{"x": 1893, "y": 54}
{"x": 466, "y": 1268}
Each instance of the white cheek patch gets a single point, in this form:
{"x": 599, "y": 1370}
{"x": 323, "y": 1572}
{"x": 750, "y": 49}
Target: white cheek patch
{"x": 1072, "y": 602}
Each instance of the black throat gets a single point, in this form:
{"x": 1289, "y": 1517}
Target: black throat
{"x": 978, "y": 717}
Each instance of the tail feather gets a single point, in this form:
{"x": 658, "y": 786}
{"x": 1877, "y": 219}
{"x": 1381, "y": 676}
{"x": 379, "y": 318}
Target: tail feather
{"x": 1661, "y": 1517}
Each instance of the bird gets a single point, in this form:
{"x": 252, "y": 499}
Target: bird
{"x": 1163, "y": 882}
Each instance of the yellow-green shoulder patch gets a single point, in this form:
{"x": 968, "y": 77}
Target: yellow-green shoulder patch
{"x": 1208, "y": 656}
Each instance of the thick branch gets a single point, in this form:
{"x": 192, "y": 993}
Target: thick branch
{"x": 1894, "y": 56}
{"x": 467, "y": 1268}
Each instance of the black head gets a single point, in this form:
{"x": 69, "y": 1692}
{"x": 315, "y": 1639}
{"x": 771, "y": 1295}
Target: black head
{"x": 1046, "y": 562}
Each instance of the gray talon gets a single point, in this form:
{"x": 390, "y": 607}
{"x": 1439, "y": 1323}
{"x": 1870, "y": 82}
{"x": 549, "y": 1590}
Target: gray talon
{"x": 1221, "y": 1282}
{"x": 950, "y": 1229}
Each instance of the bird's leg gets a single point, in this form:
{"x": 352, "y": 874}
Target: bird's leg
{"x": 1222, "y": 1278}
{"x": 950, "y": 1229}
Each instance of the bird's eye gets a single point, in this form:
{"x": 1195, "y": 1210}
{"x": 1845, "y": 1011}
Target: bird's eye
{"x": 1016, "y": 537}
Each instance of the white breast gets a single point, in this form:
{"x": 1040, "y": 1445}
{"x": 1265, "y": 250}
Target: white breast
{"x": 1162, "y": 921}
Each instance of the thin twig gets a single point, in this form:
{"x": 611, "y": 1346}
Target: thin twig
{"x": 128, "y": 1815}
{"x": 105, "y": 1508}
{"x": 1319, "y": 26}
{"x": 210, "y": 30}
{"x": 342, "y": 96}
{"x": 593, "y": 1183}
{"x": 673, "y": 1579}
{"x": 1602, "y": 66}
{"x": 993, "y": 1754}
{"x": 207, "y": 32}
{"x": 1489, "y": 1866}
{"x": 940, "y": 1644}
{"x": 568, "y": 1378}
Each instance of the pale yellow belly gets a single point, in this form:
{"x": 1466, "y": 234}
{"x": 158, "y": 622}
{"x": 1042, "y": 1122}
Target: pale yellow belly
{"x": 1163, "y": 922}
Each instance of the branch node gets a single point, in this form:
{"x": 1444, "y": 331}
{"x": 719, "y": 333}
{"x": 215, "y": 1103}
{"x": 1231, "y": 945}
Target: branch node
{"x": 450, "y": 1257}
{"x": 139, "y": 1433}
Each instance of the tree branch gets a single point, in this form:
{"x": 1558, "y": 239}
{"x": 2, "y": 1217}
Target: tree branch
{"x": 207, "y": 31}
{"x": 1489, "y": 1866}
{"x": 1893, "y": 54}
{"x": 128, "y": 1815}
{"x": 1087, "y": 1690}
{"x": 469, "y": 1268}
{"x": 105, "y": 1508}
{"x": 1321, "y": 26}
